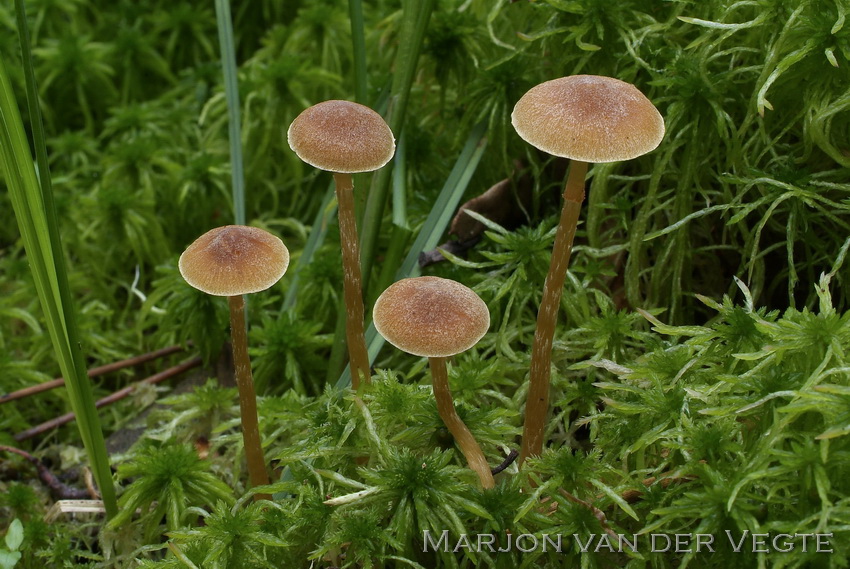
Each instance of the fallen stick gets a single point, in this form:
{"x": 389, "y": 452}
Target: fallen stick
{"x": 512, "y": 456}
{"x": 118, "y": 395}
{"x": 93, "y": 372}
{"x": 58, "y": 490}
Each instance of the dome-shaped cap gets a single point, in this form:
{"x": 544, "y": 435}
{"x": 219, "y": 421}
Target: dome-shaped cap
{"x": 431, "y": 317}
{"x": 341, "y": 136}
{"x": 588, "y": 118}
{"x": 234, "y": 260}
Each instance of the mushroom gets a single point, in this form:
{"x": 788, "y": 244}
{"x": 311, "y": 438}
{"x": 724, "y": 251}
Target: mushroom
{"x": 586, "y": 118}
{"x": 345, "y": 138}
{"x": 437, "y": 318}
{"x": 231, "y": 261}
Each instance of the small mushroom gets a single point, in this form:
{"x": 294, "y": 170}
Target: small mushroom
{"x": 231, "y": 261}
{"x": 586, "y": 118}
{"x": 345, "y": 138}
{"x": 437, "y": 318}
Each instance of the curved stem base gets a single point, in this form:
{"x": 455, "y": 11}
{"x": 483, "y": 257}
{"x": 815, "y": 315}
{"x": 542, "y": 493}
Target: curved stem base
{"x": 462, "y": 435}
{"x": 537, "y": 404}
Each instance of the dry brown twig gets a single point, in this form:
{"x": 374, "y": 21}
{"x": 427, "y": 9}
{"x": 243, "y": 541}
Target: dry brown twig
{"x": 118, "y": 395}
{"x": 58, "y": 489}
{"x": 93, "y": 372}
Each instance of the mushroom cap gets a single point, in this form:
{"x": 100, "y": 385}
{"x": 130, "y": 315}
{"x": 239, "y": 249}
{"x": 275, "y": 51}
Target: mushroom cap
{"x": 341, "y": 136}
{"x": 588, "y": 118}
{"x": 431, "y": 317}
{"x": 234, "y": 260}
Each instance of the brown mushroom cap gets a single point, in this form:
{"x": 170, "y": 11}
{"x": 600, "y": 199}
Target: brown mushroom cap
{"x": 341, "y": 136}
{"x": 234, "y": 260}
{"x": 588, "y": 118}
{"x": 431, "y": 317}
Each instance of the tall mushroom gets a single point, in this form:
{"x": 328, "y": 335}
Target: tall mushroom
{"x": 345, "y": 138}
{"x": 437, "y": 318}
{"x": 586, "y": 118}
{"x": 231, "y": 261}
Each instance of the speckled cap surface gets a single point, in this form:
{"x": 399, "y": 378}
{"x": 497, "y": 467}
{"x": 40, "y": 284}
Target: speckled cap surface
{"x": 234, "y": 260}
{"x": 341, "y": 136}
{"x": 588, "y": 118}
{"x": 431, "y": 316}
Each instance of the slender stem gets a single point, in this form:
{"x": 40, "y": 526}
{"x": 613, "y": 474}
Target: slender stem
{"x": 537, "y": 405}
{"x": 463, "y": 437}
{"x": 355, "y": 336}
{"x": 247, "y": 398}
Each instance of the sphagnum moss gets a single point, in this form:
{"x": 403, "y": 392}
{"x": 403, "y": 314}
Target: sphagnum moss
{"x": 758, "y": 196}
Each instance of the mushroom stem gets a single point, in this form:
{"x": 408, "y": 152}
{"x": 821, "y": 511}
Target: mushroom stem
{"x": 445, "y": 407}
{"x": 247, "y": 397}
{"x": 355, "y": 336}
{"x": 537, "y": 404}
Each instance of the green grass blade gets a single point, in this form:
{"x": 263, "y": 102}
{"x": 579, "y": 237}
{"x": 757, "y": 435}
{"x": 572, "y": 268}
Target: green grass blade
{"x": 434, "y": 227}
{"x": 447, "y": 202}
{"x": 314, "y": 241}
{"x": 35, "y": 119}
{"x": 358, "y": 41}
{"x": 231, "y": 91}
{"x": 415, "y": 22}
{"x": 44, "y": 253}
{"x": 400, "y": 184}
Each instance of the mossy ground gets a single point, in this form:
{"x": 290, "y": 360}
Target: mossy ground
{"x": 700, "y": 382}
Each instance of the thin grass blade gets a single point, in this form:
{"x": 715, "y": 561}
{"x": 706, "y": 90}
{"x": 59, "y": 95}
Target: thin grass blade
{"x": 358, "y": 44}
{"x": 415, "y": 21}
{"x": 400, "y": 184}
{"x": 231, "y": 91}
{"x": 314, "y": 240}
{"x": 44, "y": 252}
